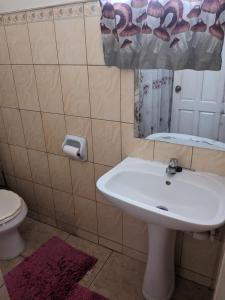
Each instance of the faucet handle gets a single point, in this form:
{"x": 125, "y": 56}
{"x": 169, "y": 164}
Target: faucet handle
{"x": 173, "y": 162}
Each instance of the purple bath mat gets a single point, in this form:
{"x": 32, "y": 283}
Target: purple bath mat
{"x": 51, "y": 273}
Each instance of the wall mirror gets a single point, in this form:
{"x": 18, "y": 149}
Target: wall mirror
{"x": 183, "y": 107}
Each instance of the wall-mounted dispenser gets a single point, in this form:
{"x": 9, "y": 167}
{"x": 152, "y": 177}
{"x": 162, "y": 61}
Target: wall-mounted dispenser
{"x": 75, "y": 147}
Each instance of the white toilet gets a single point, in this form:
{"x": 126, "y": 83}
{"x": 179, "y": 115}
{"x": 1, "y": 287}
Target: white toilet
{"x": 13, "y": 210}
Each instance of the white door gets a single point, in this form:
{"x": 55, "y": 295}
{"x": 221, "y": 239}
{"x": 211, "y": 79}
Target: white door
{"x": 198, "y": 103}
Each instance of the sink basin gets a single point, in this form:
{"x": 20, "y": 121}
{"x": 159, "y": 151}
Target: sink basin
{"x": 187, "y": 201}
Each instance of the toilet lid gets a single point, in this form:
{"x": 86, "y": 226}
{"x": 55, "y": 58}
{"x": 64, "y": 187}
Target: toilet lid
{"x": 10, "y": 205}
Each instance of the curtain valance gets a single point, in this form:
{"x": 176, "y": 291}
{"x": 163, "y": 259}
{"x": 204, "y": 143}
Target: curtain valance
{"x": 162, "y": 34}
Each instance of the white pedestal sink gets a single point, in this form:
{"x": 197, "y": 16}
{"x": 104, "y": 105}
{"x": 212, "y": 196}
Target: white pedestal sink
{"x": 188, "y": 201}
{"x": 159, "y": 279}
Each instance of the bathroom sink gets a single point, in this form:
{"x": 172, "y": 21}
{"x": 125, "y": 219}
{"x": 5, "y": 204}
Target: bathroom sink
{"x": 187, "y": 201}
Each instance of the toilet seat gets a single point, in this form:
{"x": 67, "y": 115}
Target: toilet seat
{"x": 10, "y": 205}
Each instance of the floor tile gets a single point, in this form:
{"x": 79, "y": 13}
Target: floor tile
{"x": 121, "y": 278}
{"x": 188, "y": 290}
{"x": 101, "y": 253}
{"x": 116, "y": 276}
{"x": 36, "y": 233}
{"x": 4, "y": 293}
{"x": 8, "y": 265}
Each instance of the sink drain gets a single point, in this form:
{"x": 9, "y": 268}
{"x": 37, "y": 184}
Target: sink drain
{"x": 162, "y": 207}
{"x": 168, "y": 182}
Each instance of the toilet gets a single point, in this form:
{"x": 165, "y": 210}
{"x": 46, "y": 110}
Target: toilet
{"x": 13, "y": 211}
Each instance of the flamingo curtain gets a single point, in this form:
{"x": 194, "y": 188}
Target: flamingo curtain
{"x": 163, "y": 34}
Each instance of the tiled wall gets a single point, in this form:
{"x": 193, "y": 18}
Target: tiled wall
{"x": 53, "y": 82}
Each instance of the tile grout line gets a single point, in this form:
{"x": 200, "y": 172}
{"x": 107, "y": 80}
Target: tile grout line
{"x": 6, "y": 131}
{"x": 91, "y": 122}
{"x": 66, "y": 127}
{"x": 100, "y": 270}
{"x": 39, "y": 104}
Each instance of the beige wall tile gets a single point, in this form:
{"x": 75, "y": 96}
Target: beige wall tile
{"x": 92, "y": 237}
{"x": 105, "y": 92}
{"x": 43, "y": 44}
{"x": 135, "y": 233}
{"x": 220, "y": 287}
{"x": 66, "y": 226}
{"x": 70, "y": 38}
{"x": 64, "y": 207}
{"x": 55, "y": 131}
{"x": 19, "y": 45}
{"x": 13, "y": 124}
{"x": 207, "y": 160}
{"x": 49, "y": 88}
{"x": 20, "y": 162}
{"x": 99, "y": 171}
{"x": 33, "y": 214}
{"x": 85, "y": 214}
{"x": 33, "y": 130}
{"x": 195, "y": 277}
{"x": 5, "y": 158}
{"x": 26, "y": 190}
{"x": 127, "y": 96}
{"x": 106, "y": 142}
{"x": 81, "y": 127}
{"x": 11, "y": 181}
{"x": 3, "y": 134}
{"x": 4, "y": 53}
{"x": 178, "y": 247}
{"x": 8, "y": 95}
{"x": 44, "y": 199}
{"x": 109, "y": 222}
{"x": 200, "y": 256}
{"x": 110, "y": 244}
{"x": 60, "y": 173}
{"x": 26, "y": 87}
{"x": 94, "y": 41}
{"x": 92, "y": 9}
{"x": 83, "y": 179}
{"x": 50, "y": 220}
{"x": 39, "y": 167}
{"x": 135, "y": 254}
{"x": 132, "y": 146}
{"x": 75, "y": 90}
{"x": 164, "y": 151}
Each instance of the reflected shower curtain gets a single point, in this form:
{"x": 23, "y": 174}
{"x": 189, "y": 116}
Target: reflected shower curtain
{"x": 153, "y": 102}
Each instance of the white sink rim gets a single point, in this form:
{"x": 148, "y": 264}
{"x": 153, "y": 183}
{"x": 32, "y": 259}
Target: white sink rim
{"x": 169, "y": 217}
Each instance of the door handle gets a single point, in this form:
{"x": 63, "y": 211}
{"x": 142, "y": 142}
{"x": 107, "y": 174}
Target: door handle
{"x": 177, "y": 88}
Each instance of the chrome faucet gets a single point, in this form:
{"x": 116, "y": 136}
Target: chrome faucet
{"x": 173, "y": 167}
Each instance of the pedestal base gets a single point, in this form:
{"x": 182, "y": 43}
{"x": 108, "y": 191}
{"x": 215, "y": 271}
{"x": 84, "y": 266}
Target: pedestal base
{"x": 159, "y": 279}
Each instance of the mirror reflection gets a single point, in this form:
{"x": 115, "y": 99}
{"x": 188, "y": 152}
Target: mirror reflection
{"x": 181, "y": 106}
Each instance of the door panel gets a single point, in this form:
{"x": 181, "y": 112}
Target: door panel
{"x": 185, "y": 118}
{"x": 206, "y": 127}
{"x": 197, "y": 107}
